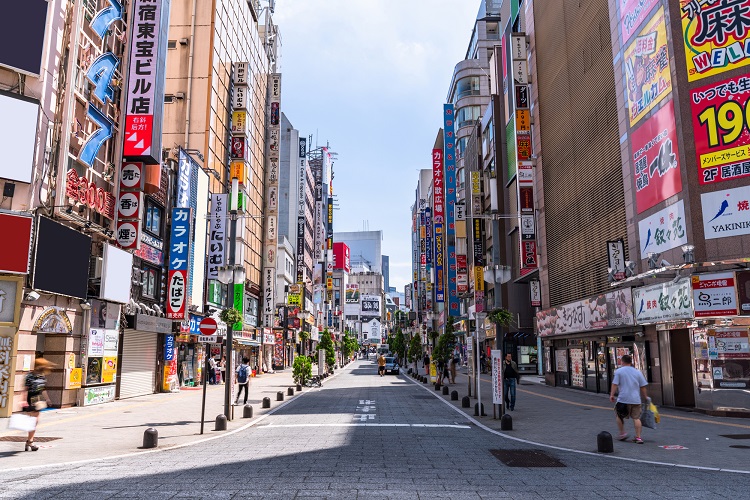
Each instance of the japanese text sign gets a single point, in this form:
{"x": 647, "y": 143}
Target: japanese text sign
{"x": 715, "y": 34}
{"x": 646, "y": 68}
{"x": 632, "y": 14}
{"x": 449, "y": 143}
{"x": 217, "y": 236}
{"x": 616, "y": 255}
{"x": 608, "y": 310}
{"x": 721, "y": 128}
{"x": 438, "y": 189}
{"x": 655, "y": 159}
{"x": 179, "y": 253}
{"x": 663, "y": 230}
{"x": 726, "y": 213}
{"x": 663, "y": 302}
{"x": 714, "y": 295}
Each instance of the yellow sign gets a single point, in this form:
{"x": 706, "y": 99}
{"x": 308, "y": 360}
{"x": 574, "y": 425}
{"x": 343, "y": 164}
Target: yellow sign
{"x": 715, "y": 35}
{"x": 237, "y": 171}
{"x": 433, "y": 373}
{"x": 476, "y": 183}
{"x": 239, "y": 123}
{"x": 523, "y": 120}
{"x": 646, "y": 68}
{"x": 478, "y": 278}
{"x": 109, "y": 369}
{"x": 75, "y": 376}
{"x": 294, "y": 299}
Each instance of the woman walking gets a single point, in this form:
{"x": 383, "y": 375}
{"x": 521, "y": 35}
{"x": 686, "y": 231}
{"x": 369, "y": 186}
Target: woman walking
{"x": 36, "y": 395}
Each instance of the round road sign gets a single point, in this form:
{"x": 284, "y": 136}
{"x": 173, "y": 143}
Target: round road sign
{"x": 208, "y": 326}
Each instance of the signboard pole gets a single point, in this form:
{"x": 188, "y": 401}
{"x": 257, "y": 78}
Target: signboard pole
{"x": 205, "y": 380}
{"x": 478, "y": 357}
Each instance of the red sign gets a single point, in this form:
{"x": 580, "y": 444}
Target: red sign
{"x": 208, "y": 326}
{"x": 523, "y": 146}
{"x": 721, "y": 129}
{"x": 341, "y": 258}
{"x": 79, "y": 189}
{"x": 239, "y": 148}
{"x": 528, "y": 254}
{"x": 176, "y": 290}
{"x": 656, "y": 159}
{"x": 526, "y": 199}
{"x": 138, "y": 135}
{"x": 461, "y": 263}
{"x": 14, "y": 257}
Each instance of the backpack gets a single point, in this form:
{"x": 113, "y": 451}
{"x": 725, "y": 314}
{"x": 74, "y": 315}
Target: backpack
{"x": 242, "y": 375}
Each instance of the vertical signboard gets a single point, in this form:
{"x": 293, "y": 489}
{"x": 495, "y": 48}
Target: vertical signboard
{"x": 438, "y": 207}
{"x": 655, "y": 159}
{"x": 217, "y": 235}
{"x": 272, "y": 207}
{"x": 449, "y": 147}
{"x": 301, "y": 208}
{"x": 146, "y": 74}
{"x": 478, "y": 237}
{"x": 721, "y": 128}
{"x": 129, "y": 204}
{"x": 179, "y": 256}
{"x": 715, "y": 34}
{"x": 646, "y": 68}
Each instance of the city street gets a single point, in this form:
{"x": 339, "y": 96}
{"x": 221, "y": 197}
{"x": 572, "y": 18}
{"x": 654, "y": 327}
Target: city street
{"x": 363, "y": 436}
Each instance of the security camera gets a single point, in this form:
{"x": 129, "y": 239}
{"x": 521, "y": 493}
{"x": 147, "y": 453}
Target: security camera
{"x": 664, "y": 263}
{"x": 32, "y": 296}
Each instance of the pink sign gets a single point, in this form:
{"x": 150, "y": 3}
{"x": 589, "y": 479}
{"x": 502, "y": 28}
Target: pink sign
{"x": 632, "y": 14}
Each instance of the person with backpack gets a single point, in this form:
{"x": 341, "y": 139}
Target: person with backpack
{"x": 243, "y": 379}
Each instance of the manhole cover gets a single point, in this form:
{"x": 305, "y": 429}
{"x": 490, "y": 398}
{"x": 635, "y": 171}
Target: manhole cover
{"x": 736, "y": 436}
{"x": 22, "y": 439}
{"x": 526, "y": 458}
{"x": 740, "y": 446}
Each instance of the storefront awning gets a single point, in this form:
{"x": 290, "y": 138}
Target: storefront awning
{"x": 247, "y": 342}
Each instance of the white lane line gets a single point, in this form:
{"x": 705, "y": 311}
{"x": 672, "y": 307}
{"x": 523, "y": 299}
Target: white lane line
{"x": 570, "y": 450}
{"x": 444, "y": 426}
{"x": 183, "y": 445}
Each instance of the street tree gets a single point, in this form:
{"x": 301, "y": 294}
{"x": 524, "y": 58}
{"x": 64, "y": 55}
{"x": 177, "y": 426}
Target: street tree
{"x": 326, "y": 343}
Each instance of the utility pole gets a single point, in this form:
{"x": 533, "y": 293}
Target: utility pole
{"x": 229, "y": 382}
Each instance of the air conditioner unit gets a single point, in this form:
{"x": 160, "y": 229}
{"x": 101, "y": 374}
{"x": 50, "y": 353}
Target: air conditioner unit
{"x": 179, "y": 95}
{"x": 95, "y": 268}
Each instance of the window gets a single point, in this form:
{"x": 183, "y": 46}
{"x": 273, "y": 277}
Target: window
{"x": 467, "y": 115}
{"x": 493, "y": 31}
{"x": 171, "y": 44}
{"x": 337, "y": 282}
{"x": 460, "y": 147}
{"x": 467, "y": 86}
{"x": 150, "y": 282}
{"x": 154, "y": 215}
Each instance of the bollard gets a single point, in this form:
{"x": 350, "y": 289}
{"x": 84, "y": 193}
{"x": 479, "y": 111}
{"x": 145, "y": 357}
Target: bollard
{"x": 299, "y": 387}
{"x": 437, "y": 386}
{"x": 604, "y": 442}
{"x": 266, "y": 402}
{"x": 290, "y": 391}
{"x": 476, "y": 410}
{"x": 424, "y": 380}
{"x": 150, "y": 438}
{"x": 445, "y": 390}
{"x": 408, "y": 371}
{"x": 465, "y": 402}
{"x": 280, "y": 396}
{"x": 506, "y": 422}
{"x": 221, "y": 423}
{"x": 247, "y": 411}
{"x": 454, "y": 396}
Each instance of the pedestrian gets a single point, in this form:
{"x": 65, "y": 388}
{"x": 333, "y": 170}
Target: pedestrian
{"x": 381, "y": 365}
{"x": 211, "y": 370}
{"x": 223, "y": 369}
{"x": 243, "y": 379}
{"x": 483, "y": 362}
{"x": 511, "y": 376}
{"x": 630, "y": 386}
{"x": 426, "y": 364}
{"x": 36, "y": 395}
{"x": 453, "y": 366}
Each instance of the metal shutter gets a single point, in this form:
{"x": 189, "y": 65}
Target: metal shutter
{"x": 584, "y": 202}
{"x": 138, "y": 375}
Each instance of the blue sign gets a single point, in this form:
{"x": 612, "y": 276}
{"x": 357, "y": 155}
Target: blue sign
{"x": 449, "y": 136}
{"x": 195, "y": 323}
{"x": 428, "y": 236}
{"x": 179, "y": 239}
{"x": 169, "y": 348}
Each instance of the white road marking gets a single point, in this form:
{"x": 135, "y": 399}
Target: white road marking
{"x": 343, "y": 424}
{"x": 364, "y": 418}
{"x": 365, "y": 409}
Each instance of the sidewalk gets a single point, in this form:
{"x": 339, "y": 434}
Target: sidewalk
{"x": 116, "y": 428}
{"x": 571, "y": 419}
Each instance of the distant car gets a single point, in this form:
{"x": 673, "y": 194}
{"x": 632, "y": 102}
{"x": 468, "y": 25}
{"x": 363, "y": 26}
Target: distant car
{"x": 391, "y": 366}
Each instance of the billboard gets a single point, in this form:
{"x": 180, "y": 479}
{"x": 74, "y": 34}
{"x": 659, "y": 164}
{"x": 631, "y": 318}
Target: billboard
{"x": 632, "y": 14}
{"x": 646, "y": 68}
{"x": 721, "y": 129}
{"x": 18, "y": 118}
{"x": 341, "y": 257}
{"x": 438, "y": 219}
{"x": 61, "y": 259}
{"x": 656, "y": 159}
{"x": 668, "y": 301}
{"x": 449, "y": 147}
{"x": 715, "y": 34}
{"x": 22, "y": 36}
{"x": 663, "y": 230}
{"x": 217, "y": 235}
{"x": 714, "y": 294}
{"x": 146, "y": 74}
{"x": 607, "y": 310}
{"x": 179, "y": 257}
{"x": 15, "y": 255}
{"x": 726, "y": 213}
{"x": 370, "y": 305}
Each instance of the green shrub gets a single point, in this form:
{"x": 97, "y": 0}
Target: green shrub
{"x": 302, "y": 369}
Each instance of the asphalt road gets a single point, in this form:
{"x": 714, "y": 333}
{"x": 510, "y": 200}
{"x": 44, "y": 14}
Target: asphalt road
{"x": 365, "y": 436}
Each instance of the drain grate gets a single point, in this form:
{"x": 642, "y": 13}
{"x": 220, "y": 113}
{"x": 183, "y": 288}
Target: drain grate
{"x": 526, "y": 458}
{"x": 740, "y": 446}
{"x": 22, "y": 439}
{"x": 736, "y": 436}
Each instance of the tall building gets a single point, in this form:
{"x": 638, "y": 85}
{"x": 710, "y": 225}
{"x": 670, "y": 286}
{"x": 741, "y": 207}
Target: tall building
{"x": 365, "y": 248}
{"x": 386, "y": 270}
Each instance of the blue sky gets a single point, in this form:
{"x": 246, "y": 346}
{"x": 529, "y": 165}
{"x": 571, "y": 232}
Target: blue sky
{"x": 370, "y": 77}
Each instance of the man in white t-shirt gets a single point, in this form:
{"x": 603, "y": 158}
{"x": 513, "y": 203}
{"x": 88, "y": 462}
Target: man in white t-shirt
{"x": 630, "y": 386}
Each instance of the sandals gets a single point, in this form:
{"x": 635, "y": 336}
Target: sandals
{"x": 30, "y": 446}
{"x": 622, "y": 437}
{"x": 638, "y": 440}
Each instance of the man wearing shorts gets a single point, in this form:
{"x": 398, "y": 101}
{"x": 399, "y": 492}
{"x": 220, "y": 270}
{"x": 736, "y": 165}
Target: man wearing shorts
{"x": 630, "y": 386}
{"x": 381, "y": 365}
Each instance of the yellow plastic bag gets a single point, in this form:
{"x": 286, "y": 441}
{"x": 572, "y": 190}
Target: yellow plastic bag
{"x": 652, "y": 407}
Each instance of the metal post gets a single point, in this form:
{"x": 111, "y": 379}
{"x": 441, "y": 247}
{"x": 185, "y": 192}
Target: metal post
{"x": 229, "y": 382}
{"x": 478, "y": 358}
{"x": 205, "y": 378}
{"x": 286, "y": 327}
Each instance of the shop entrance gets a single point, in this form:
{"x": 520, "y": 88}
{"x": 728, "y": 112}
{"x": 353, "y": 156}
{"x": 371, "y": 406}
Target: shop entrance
{"x": 682, "y": 370}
